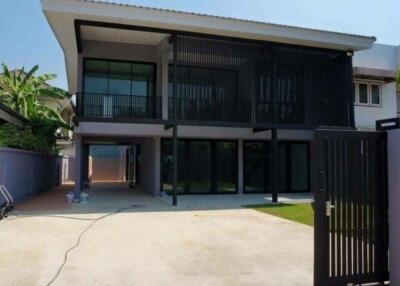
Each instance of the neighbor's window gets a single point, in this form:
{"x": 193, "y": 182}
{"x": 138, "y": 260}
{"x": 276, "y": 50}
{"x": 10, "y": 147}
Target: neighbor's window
{"x": 368, "y": 93}
{"x": 375, "y": 94}
{"x": 363, "y": 93}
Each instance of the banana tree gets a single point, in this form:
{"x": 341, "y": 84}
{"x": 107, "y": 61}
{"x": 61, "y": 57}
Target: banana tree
{"x": 21, "y": 91}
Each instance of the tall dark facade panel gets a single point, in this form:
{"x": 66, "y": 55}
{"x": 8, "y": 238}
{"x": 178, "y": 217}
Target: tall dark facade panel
{"x": 220, "y": 79}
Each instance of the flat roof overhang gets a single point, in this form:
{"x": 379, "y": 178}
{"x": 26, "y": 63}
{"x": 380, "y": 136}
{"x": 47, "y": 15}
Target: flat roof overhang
{"x": 62, "y": 16}
{"x": 10, "y": 116}
{"x": 374, "y": 74}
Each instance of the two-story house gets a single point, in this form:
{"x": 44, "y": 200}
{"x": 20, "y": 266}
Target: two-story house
{"x": 214, "y": 104}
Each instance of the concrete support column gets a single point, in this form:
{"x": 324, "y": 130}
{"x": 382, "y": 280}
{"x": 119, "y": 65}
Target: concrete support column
{"x": 85, "y": 164}
{"x": 240, "y": 170}
{"x": 157, "y": 166}
{"x": 78, "y": 167}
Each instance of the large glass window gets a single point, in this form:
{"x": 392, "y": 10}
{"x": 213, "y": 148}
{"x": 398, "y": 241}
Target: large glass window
{"x": 375, "y": 94}
{"x": 204, "y": 166}
{"x": 200, "y": 156}
{"x": 299, "y": 167}
{"x": 120, "y": 78}
{"x": 96, "y": 76}
{"x": 363, "y": 93}
{"x": 118, "y": 89}
{"x": 225, "y": 162}
{"x": 293, "y": 167}
{"x": 167, "y": 166}
{"x": 256, "y": 171}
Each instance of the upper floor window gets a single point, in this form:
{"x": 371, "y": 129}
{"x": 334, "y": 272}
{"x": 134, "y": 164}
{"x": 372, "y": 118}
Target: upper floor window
{"x": 368, "y": 93}
{"x": 118, "y": 78}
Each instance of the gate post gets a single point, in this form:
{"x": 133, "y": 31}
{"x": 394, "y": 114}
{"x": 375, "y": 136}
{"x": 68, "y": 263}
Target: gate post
{"x": 393, "y": 160}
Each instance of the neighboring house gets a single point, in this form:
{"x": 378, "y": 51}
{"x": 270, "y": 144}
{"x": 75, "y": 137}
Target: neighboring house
{"x": 229, "y": 95}
{"x": 64, "y": 136}
{"x": 67, "y": 111}
{"x": 66, "y": 108}
{"x": 374, "y": 72}
{"x": 7, "y": 115}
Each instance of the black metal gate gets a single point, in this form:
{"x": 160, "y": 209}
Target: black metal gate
{"x": 349, "y": 180}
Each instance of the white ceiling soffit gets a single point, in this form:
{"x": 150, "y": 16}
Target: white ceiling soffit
{"x": 62, "y": 13}
{"x": 121, "y": 36}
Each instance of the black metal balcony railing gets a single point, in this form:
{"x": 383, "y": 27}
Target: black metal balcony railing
{"x": 118, "y": 106}
{"x": 219, "y": 110}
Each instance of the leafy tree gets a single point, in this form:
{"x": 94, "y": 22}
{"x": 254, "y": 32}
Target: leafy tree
{"x": 398, "y": 76}
{"x": 21, "y": 91}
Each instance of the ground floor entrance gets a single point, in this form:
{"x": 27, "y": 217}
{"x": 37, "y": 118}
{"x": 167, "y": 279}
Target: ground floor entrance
{"x": 215, "y": 166}
{"x": 204, "y": 166}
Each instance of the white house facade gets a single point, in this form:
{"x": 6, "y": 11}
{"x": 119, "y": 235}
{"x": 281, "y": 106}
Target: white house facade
{"x": 374, "y": 72}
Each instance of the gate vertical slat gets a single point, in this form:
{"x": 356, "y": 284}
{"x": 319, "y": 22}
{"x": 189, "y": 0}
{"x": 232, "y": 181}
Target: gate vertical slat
{"x": 365, "y": 191}
{"x": 343, "y": 206}
{"x": 338, "y": 208}
{"x": 371, "y": 185}
{"x": 332, "y": 198}
{"x": 359, "y": 208}
{"x": 354, "y": 167}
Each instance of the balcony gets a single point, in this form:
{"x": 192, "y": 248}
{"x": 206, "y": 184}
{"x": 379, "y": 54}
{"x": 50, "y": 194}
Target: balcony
{"x": 100, "y": 105}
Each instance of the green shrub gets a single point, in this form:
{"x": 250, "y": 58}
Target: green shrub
{"x": 39, "y": 136}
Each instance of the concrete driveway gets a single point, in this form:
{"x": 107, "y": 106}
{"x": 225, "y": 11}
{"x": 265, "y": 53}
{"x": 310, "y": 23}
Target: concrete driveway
{"x": 152, "y": 244}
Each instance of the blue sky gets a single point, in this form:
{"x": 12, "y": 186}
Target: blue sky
{"x": 26, "y": 39}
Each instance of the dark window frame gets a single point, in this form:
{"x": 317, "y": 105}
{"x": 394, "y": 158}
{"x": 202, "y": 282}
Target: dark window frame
{"x": 154, "y": 64}
{"x": 153, "y": 97}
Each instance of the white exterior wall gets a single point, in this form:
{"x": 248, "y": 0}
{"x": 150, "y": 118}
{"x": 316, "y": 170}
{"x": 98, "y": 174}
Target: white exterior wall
{"x": 385, "y": 57}
{"x": 205, "y": 132}
{"x": 366, "y": 116}
{"x": 150, "y": 165}
{"x": 123, "y": 52}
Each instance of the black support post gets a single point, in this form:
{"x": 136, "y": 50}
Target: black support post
{"x": 274, "y": 134}
{"x": 175, "y": 127}
{"x": 175, "y": 166}
{"x": 274, "y": 164}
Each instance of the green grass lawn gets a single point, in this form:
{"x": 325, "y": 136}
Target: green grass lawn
{"x": 302, "y": 213}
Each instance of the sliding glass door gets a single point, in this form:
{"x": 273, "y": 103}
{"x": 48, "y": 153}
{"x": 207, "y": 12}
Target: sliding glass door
{"x": 293, "y": 167}
{"x": 199, "y": 167}
{"x": 225, "y": 166}
{"x": 256, "y": 169}
{"x": 204, "y": 166}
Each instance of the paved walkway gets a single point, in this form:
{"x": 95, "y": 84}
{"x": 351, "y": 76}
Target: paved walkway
{"x": 150, "y": 243}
